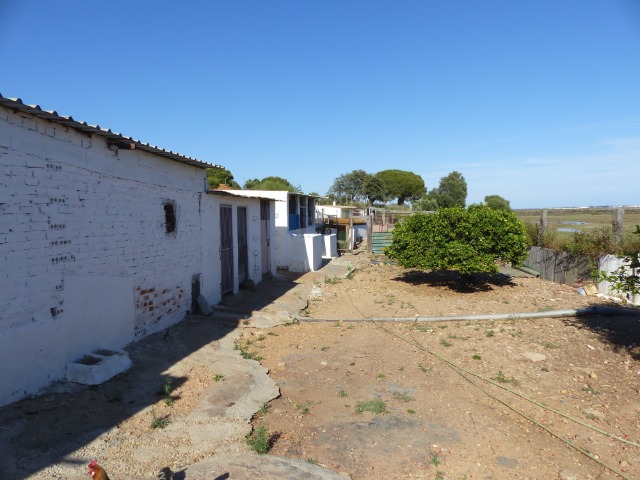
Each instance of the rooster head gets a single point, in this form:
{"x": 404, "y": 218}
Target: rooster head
{"x": 92, "y": 465}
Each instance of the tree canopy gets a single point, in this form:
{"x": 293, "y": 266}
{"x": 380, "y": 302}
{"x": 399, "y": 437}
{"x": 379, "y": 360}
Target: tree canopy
{"x": 402, "y": 185}
{"x": 428, "y": 203}
{"x": 374, "y": 189}
{"x": 350, "y": 187}
{"x": 451, "y": 192}
{"x": 358, "y": 186}
{"x": 271, "y": 183}
{"x": 497, "y": 202}
{"x": 218, "y": 176}
{"x": 468, "y": 240}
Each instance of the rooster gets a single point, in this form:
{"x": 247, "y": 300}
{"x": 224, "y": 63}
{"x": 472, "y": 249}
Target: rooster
{"x": 97, "y": 472}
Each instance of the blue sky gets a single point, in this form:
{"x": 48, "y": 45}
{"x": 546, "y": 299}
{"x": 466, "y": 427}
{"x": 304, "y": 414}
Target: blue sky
{"x": 536, "y": 101}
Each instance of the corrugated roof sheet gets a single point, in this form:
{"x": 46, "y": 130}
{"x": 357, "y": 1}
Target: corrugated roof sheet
{"x": 227, "y": 193}
{"x": 117, "y": 138}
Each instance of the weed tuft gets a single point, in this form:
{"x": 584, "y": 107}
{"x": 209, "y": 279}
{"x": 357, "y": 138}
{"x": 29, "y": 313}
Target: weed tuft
{"x": 351, "y": 272}
{"x": 166, "y": 390}
{"x": 304, "y": 407}
{"x": 159, "y": 422}
{"x": 264, "y": 409}
{"x": 373, "y": 406}
{"x": 259, "y": 440}
{"x": 502, "y": 378}
{"x": 404, "y": 396}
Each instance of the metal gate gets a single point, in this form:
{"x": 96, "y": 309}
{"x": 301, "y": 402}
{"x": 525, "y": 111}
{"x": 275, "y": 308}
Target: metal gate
{"x": 243, "y": 254}
{"x": 226, "y": 248}
{"x": 265, "y": 222}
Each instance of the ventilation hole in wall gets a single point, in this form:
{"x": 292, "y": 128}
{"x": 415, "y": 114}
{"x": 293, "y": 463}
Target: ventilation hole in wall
{"x": 170, "y": 217}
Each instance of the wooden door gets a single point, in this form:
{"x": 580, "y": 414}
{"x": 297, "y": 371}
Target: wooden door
{"x": 243, "y": 253}
{"x": 265, "y": 227}
{"x": 226, "y": 248}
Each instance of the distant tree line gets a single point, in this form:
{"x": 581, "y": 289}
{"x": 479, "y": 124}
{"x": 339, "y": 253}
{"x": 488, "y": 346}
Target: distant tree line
{"x": 402, "y": 186}
{"x": 221, "y": 178}
{"x": 384, "y": 186}
{"x": 361, "y": 187}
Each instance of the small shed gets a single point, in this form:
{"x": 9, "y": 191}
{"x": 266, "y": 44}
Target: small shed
{"x": 299, "y": 245}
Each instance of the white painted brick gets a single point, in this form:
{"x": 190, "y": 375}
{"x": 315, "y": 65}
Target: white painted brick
{"x": 13, "y": 118}
{"x": 39, "y": 236}
{"x": 129, "y": 244}
{"x": 29, "y": 123}
{"x": 31, "y": 181}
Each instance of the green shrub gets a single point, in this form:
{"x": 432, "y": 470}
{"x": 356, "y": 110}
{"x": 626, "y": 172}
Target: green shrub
{"x": 592, "y": 245}
{"x": 536, "y": 237}
{"x": 626, "y": 279}
{"x": 469, "y": 240}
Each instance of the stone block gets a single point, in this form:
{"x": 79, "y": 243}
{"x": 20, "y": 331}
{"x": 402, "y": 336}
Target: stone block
{"x": 98, "y": 367}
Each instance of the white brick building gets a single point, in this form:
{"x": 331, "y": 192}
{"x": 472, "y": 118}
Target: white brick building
{"x": 298, "y": 246}
{"x": 103, "y": 240}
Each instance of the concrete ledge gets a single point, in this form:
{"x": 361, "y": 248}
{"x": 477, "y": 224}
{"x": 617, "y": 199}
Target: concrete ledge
{"x": 98, "y": 367}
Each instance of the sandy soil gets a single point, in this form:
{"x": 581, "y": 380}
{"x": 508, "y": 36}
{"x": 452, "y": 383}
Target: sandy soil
{"x": 539, "y": 399}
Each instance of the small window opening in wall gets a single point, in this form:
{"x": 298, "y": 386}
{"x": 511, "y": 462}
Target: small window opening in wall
{"x": 169, "y": 217}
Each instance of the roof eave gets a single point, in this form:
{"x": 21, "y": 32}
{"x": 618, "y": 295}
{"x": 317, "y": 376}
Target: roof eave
{"x": 112, "y": 137}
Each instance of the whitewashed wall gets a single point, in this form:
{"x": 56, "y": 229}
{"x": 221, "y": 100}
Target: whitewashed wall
{"x": 295, "y": 250}
{"x": 85, "y": 258}
{"x": 610, "y": 264}
{"x": 211, "y": 242}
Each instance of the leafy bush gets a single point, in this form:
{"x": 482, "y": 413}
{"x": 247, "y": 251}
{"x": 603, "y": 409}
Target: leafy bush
{"x": 468, "y": 240}
{"x": 592, "y": 244}
{"x": 537, "y": 238}
{"x": 626, "y": 279}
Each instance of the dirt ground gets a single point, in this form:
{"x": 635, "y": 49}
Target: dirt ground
{"x": 528, "y": 399}
{"x": 538, "y": 399}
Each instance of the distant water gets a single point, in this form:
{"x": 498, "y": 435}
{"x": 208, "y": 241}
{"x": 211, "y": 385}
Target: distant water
{"x": 571, "y": 222}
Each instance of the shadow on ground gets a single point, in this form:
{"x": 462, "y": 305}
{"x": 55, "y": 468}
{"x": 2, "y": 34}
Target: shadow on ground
{"x": 455, "y": 281}
{"x": 621, "y": 332}
{"x": 40, "y": 431}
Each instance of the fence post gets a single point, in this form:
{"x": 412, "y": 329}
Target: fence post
{"x": 617, "y": 224}
{"x": 352, "y": 239}
{"x": 543, "y": 226}
{"x": 370, "y": 232}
